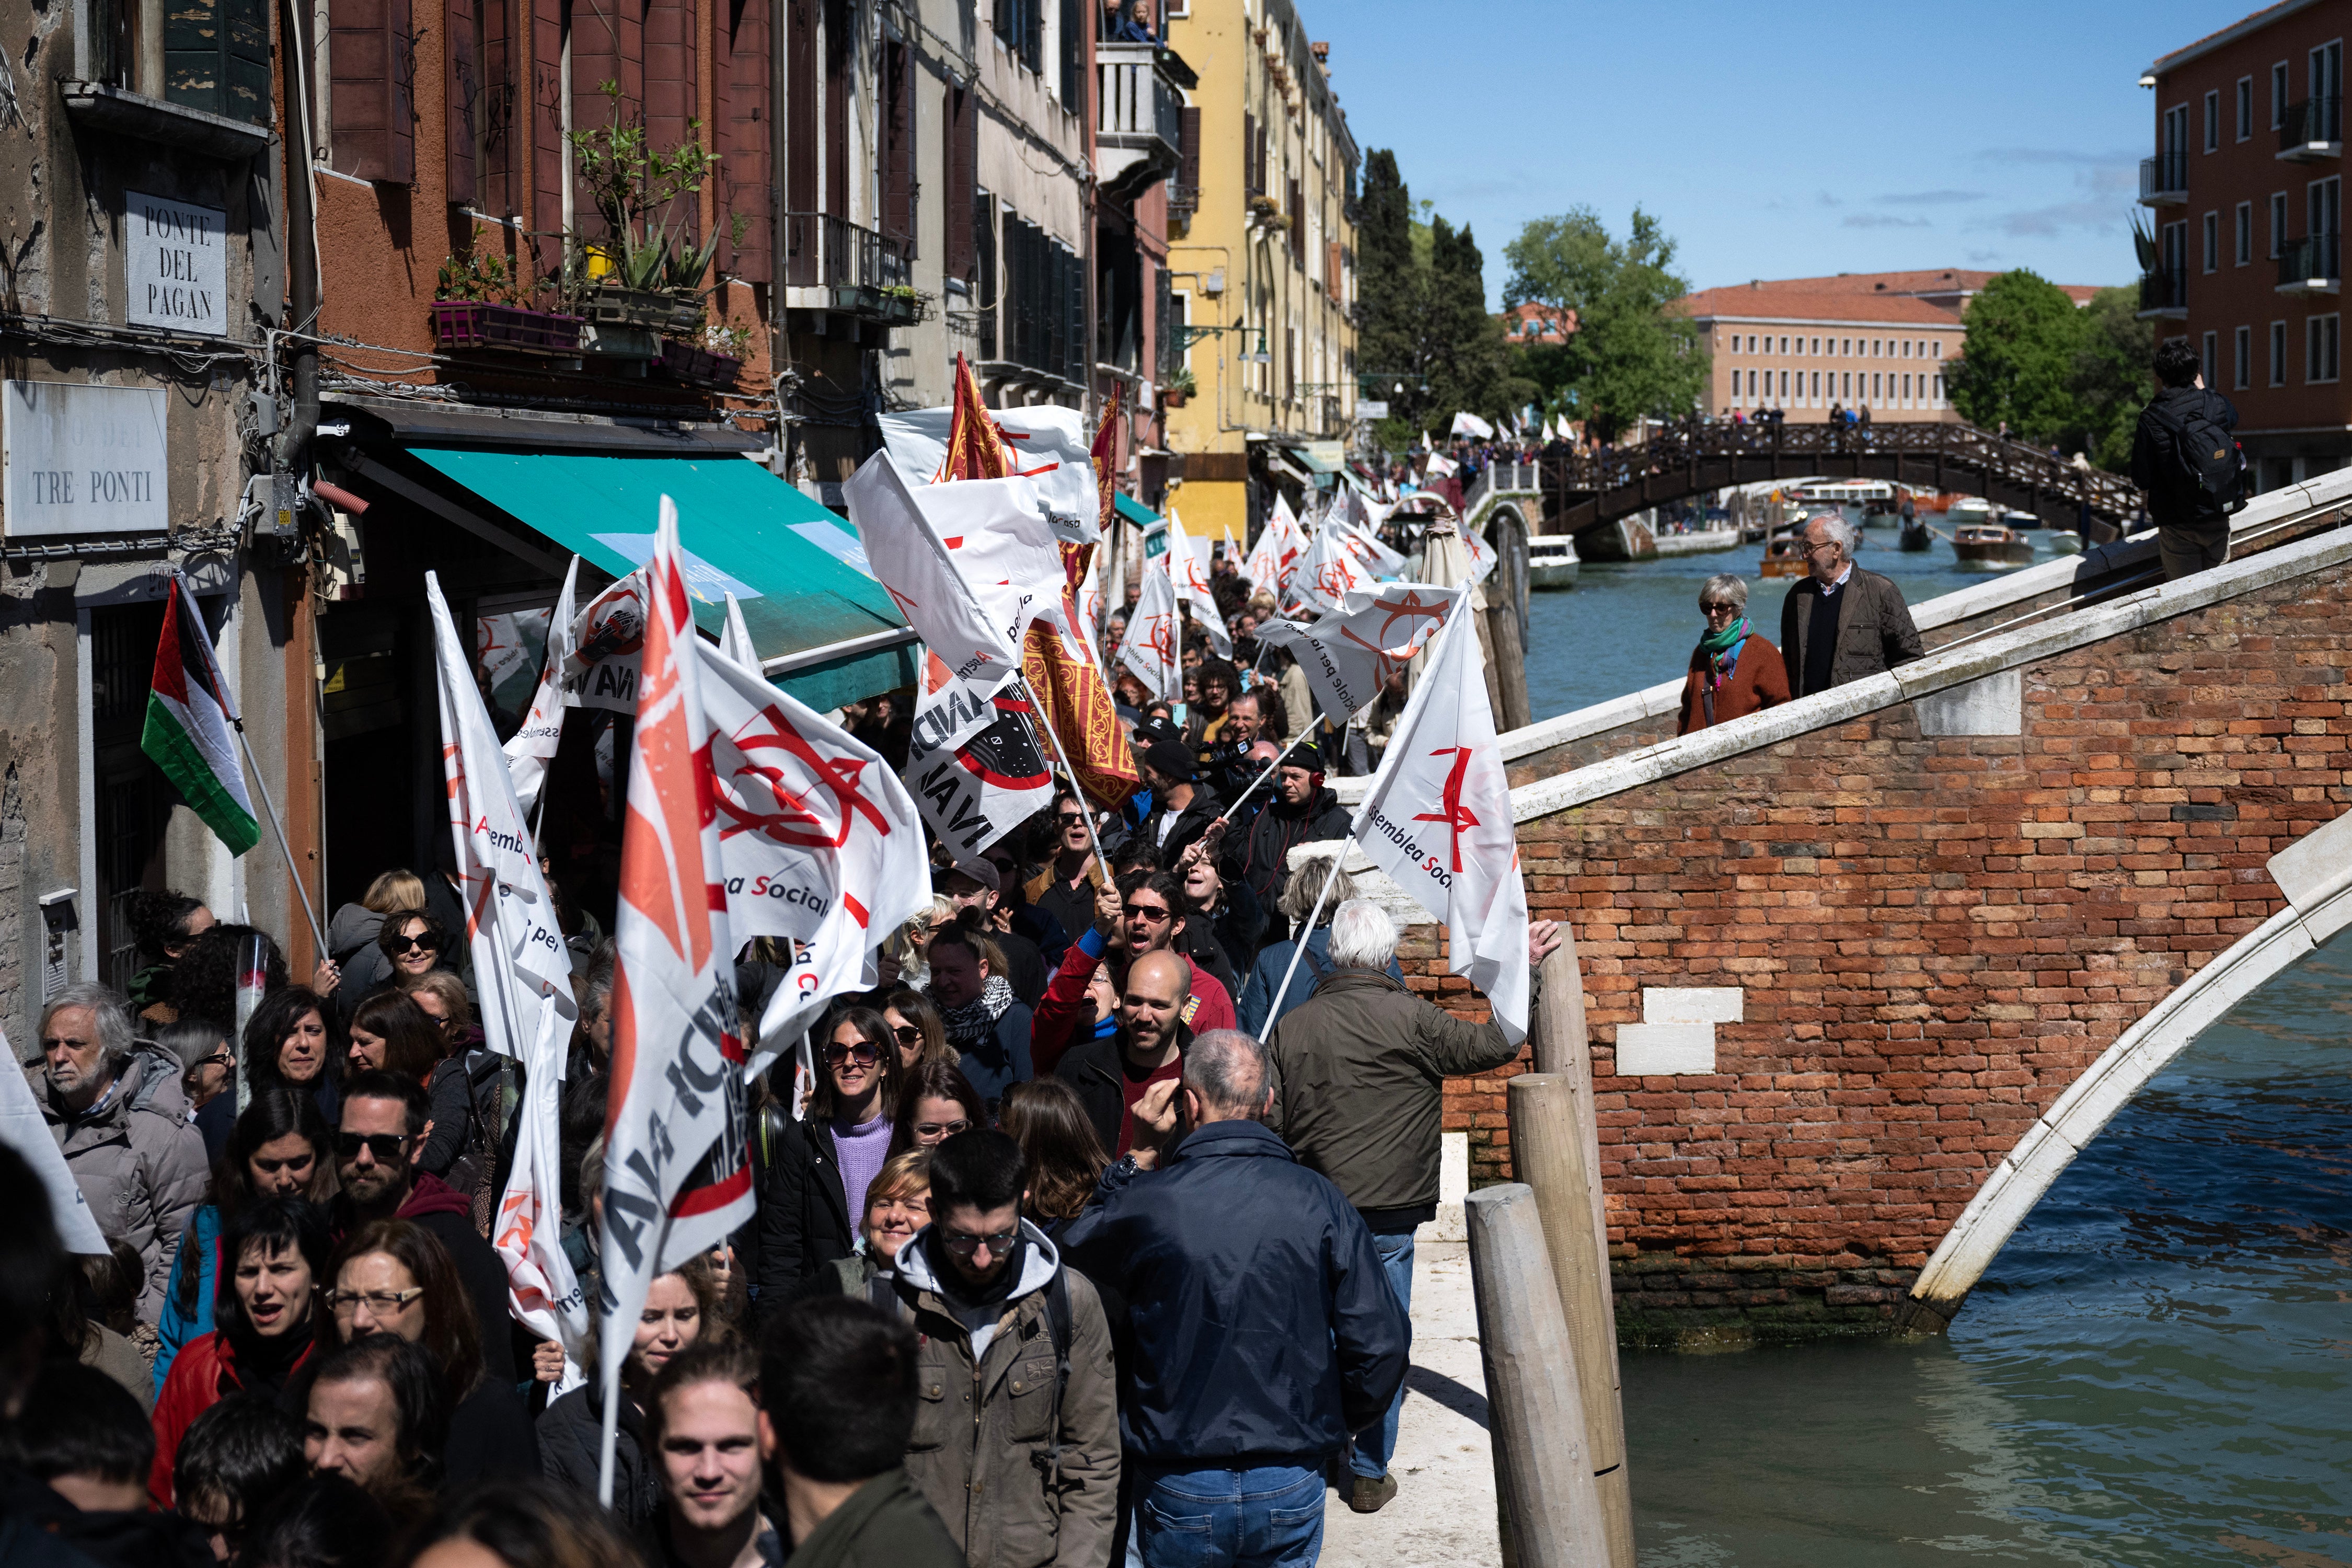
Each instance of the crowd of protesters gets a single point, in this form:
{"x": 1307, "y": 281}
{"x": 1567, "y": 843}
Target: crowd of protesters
{"x": 1090, "y": 1244}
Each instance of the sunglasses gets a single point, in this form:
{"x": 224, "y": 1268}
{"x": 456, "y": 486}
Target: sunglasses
{"x": 408, "y": 944}
{"x": 1066, "y": 817}
{"x": 1146, "y": 914}
{"x": 382, "y": 1303}
{"x": 963, "y": 1245}
{"x": 935, "y": 1131}
{"x": 864, "y": 1055}
{"x": 220, "y": 1059}
{"x": 908, "y": 1034}
{"x": 385, "y": 1146}
{"x": 298, "y": 1164}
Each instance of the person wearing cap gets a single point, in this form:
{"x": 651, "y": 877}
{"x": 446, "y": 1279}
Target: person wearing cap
{"x": 974, "y": 888}
{"x": 1303, "y": 811}
{"x": 1182, "y": 809}
{"x": 1840, "y": 622}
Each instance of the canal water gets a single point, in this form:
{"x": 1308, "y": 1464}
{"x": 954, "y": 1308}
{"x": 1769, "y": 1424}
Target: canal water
{"x": 2156, "y": 1371}
{"x": 1631, "y": 625}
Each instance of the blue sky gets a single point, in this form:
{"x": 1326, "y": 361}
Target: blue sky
{"x": 1775, "y": 140}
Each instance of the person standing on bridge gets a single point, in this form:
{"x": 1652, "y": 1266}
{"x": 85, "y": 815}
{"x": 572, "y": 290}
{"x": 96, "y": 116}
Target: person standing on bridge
{"x": 1841, "y": 623}
{"x": 1734, "y": 671}
{"x": 2188, "y": 464}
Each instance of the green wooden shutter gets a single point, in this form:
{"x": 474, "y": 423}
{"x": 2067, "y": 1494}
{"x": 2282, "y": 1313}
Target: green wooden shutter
{"x": 216, "y": 57}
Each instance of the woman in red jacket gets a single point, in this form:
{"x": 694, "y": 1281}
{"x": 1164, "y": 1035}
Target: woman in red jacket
{"x": 266, "y": 1309}
{"x": 1733, "y": 672}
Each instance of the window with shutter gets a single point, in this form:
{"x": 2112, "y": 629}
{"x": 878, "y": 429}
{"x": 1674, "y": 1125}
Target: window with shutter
{"x": 672, "y": 94}
{"x": 1033, "y": 36}
{"x": 1298, "y": 211}
{"x": 1187, "y": 157}
{"x": 373, "y": 54}
{"x": 546, "y": 112}
{"x": 496, "y": 22}
{"x": 960, "y": 206}
{"x": 1163, "y": 323}
{"x": 1331, "y": 271}
{"x": 461, "y": 130}
{"x": 1074, "y": 57}
{"x": 746, "y": 116}
{"x": 803, "y": 193}
{"x": 840, "y": 61}
{"x": 898, "y": 148}
{"x": 608, "y": 45}
{"x": 1249, "y": 152}
{"x": 987, "y": 295}
{"x": 216, "y": 57}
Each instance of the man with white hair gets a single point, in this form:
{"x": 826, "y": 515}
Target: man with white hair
{"x": 1841, "y": 623}
{"x": 116, "y": 1107}
{"x": 1360, "y": 1069}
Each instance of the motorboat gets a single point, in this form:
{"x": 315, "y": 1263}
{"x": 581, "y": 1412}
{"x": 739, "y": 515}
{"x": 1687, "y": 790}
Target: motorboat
{"x": 1784, "y": 556}
{"x": 1991, "y": 544}
{"x": 1552, "y": 561}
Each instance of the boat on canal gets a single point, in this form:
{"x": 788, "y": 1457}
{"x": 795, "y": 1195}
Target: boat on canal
{"x": 1784, "y": 556}
{"x": 1552, "y": 561}
{"x": 1917, "y": 536}
{"x": 1991, "y": 544}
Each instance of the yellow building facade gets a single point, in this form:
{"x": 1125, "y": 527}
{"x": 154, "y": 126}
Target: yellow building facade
{"x": 1261, "y": 260}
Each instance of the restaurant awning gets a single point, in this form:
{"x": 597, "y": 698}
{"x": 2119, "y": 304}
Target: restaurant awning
{"x": 827, "y": 632}
{"x": 1134, "y": 510}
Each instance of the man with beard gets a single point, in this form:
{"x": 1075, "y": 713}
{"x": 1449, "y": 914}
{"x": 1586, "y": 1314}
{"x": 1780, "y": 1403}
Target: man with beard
{"x": 1112, "y": 1073}
{"x": 1302, "y": 812}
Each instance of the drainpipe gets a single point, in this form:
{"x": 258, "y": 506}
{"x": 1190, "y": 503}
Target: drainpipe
{"x": 292, "y": 452}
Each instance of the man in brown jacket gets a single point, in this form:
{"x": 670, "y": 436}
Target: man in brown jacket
{"x": 1017, "y": 1426}
{"x": 1360, "y": 1072}
{"x": 1841, "y": 623}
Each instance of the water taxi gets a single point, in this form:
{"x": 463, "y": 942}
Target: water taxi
{"x": 1784, "y": 556}
{"x": 1991, "y": 544}
{"x": 1552, "y": 561}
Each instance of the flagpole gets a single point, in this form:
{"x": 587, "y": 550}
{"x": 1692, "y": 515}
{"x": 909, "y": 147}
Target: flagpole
{"x": 1298, "y": 947}
{"x": 1303, "y": 731}
{"x": 270, "y": 809}
{"x": 1094, "y": 833}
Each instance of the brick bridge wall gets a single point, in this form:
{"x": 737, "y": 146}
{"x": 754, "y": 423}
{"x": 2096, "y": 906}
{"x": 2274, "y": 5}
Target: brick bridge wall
{"x": 1934, "y": 938}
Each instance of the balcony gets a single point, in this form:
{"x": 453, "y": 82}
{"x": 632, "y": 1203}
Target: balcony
{"x": 2164, "y": 295}
{"x": 832, "y": 264}
{"x": 2312, "y": 130}
{"x": 2312, "y": 266}
{"x": 1139, "y": 116}
{"x": 2164, "y": 180}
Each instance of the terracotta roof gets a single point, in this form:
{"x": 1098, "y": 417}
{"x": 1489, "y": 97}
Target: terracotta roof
{"x": 1771, "y": 303}
{"x": 1934, "y": 281}
{"x": 2231, "y": 33}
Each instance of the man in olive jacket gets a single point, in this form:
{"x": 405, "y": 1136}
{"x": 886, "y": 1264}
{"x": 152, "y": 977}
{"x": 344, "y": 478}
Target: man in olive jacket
{"x": 1841, "y": 623}
{"x": 1361, "y": 1069}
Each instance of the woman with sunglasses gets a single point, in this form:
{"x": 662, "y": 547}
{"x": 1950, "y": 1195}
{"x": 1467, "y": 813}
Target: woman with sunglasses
{"x": 413, "y": 943}
{"x": 394, "y": 1276}
{"x": 279, "y": 1147}
{"x": 821, "y": 1165}
{"x": 287, "y": 1043}
{"x": 391, "y": 1032}
{"x": 915, "y": 1023}
{"x": 937, "y": 1103}
{"x": 266, "y": 1307}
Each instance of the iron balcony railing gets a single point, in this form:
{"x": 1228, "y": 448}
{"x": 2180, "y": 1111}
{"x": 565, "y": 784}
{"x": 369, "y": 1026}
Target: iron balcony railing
{"x": 2314, "y": 120}
{"x": 2164, "y": 179}
{"x": 822, "y": 251}
{"x": 2164, "y": 292}
{"x": 2314, "y": 263}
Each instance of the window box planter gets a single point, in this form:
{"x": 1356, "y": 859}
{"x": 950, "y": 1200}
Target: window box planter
{"x": 901, "y": 310}
{"x": 702, "y": 366}
{"x": 660, "y": 310}
{"x": 477, "y": 324}
{"x": 1173, "y": 399}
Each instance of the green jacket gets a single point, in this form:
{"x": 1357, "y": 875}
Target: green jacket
{"x": 886, "y": 1523}
{"x": 1360, "y": 1069}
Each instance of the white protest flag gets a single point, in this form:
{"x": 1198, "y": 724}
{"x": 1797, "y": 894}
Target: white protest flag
{"x": 1191, "y": 578}
{"x": 1437, "y": 819}
{"x": 818, "y": 840}
{"x": 522, "y": 975}
{"x": 735, "y": 638}
{"x": 602, "y": 650}
{"x": 677, "y": 1170}
{"x": 1467, "y": 424}
{"x": 1274, "y": 559}
{"x": 1151, "y": 649}
{"x": 23, "y": 1129}
{"x": 1091, "y": 606}
{"x": 1482, "y": 555}
{"x": 982, "y": 790}
{"x": 972, "y": 620}
{"x": 1330, "y": 571}
{"x": 1377, "y": 559}
{"x": 533, "y": 747}
{"x": 1347, "y": 655}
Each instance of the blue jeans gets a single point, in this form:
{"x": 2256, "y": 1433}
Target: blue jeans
{"x": 1374, "y": 1445}
{"x": 1265, "y": 1518}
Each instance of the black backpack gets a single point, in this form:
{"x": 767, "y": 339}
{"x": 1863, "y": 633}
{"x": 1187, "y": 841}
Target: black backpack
{"x": 2211, "y": 461}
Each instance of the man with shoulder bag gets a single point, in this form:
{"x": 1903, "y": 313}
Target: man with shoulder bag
{"x": 2186, "y": 461}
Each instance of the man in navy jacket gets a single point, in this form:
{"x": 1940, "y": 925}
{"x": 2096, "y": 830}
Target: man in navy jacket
{"x": 1265, "y": 1332}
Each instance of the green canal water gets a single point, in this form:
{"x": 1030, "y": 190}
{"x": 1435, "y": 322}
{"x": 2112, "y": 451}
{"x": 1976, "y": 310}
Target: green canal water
{"x": 2156, "y": 1371}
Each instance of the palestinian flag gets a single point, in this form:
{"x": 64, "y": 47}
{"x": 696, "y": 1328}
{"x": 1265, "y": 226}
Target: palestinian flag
{"x": 188, "y": 717}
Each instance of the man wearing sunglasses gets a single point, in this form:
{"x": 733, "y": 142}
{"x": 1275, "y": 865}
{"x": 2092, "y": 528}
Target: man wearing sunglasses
{"x": 385, "y": 1120}
{"x": 1018, "y": 1451}
{"x": 1066, "y": 888}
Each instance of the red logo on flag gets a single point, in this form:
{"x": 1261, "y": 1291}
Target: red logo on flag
{"x": 1457, "y": 816}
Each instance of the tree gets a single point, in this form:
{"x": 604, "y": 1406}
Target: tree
{"x": 2018, "y": 363}
{"x": 2110, "y": 383}
{"x": 1632, "y": 355}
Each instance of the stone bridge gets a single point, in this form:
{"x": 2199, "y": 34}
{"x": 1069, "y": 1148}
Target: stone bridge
{"x": 1865, "y": 971}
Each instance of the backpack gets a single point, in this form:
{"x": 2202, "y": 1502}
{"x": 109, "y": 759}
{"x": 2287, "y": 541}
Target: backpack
{"x": 2211, "y": 463}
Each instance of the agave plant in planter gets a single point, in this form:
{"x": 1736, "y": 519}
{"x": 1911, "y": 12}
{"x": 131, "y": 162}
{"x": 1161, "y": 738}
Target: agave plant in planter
{"x": 645, "y": 271}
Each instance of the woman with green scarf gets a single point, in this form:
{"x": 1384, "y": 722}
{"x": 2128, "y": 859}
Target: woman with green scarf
{"x": 1733, "y": 672}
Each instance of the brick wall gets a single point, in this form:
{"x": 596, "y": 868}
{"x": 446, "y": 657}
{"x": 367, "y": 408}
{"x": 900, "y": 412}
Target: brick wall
{"x": 1934, "y": 938}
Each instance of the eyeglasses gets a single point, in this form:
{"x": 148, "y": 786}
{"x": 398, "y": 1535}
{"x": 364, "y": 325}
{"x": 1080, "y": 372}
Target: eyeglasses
{"x": 381, "y": 1303}
{"x": 405, "y": 943}
{"x": 1149, "y": 914}
{"x": 935, "y": 1131}
{"x": 963, "y": 1245}
{"x": 861, "y": 1053}
{"x": 385, "y": 1146}
{"x": 220, "y": 1059}
{"x": 908, "y": 1036}
{"x": 1066, "y": 817}
{"x": 298, "y": 1165}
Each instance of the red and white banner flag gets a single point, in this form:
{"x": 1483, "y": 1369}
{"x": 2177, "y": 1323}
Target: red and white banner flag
{"x": 1152, "y": 648}
{"x": 819, "y": 841}
{"x": 1482, "y": 555}
{"x": 1329, "y": 572}
{"x": 531, "y": 748}
{"x": 735, "y": 638}
{"x": 1348, "y": 655}
{"x": 1437, "y": 819}
{"x": 1188, "y": 568}
{"x": 677, "y": 1169}
{"x": 522, "y": 977}
{"x": 972, "y": 610}
{"x": 1272, "y": 560}
{"x": 988, "y": 786}
{"x": 1363, "y": 536}
{"x": 604, "y": 647}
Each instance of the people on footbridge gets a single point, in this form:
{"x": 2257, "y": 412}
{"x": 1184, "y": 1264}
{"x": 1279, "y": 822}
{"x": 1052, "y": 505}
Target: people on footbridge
{"x": 1734, "y": 670}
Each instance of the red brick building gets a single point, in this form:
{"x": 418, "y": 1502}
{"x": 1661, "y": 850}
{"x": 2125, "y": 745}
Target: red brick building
{"x": 2246, "y": 193}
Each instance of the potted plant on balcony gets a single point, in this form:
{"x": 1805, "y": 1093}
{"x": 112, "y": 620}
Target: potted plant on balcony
{"x": 479, "y": 303}
{"x": 901, "y": 305}
{"x": 1177, "y": 386}
{"x": 645, "y": 271}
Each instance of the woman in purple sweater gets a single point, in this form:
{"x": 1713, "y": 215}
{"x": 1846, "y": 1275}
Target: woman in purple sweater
{"x": 817, "y": 1178}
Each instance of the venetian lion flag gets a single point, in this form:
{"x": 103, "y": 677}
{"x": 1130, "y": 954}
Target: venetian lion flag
{"x": 677, "y": 1170}
{"x": 523, "y": 974}
{"x": 191, "y": 718}
{"x": 1437, "y": 819}
{"x": 1347, "y": 655}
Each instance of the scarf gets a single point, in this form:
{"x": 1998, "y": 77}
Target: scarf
{"x": 974, "y": 1024}
{"x": 1721, "y": 650}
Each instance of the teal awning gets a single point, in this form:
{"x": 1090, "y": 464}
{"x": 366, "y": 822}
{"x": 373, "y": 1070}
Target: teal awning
{"x": 1134, "y": 510}
{"x": 788, "y": 560}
